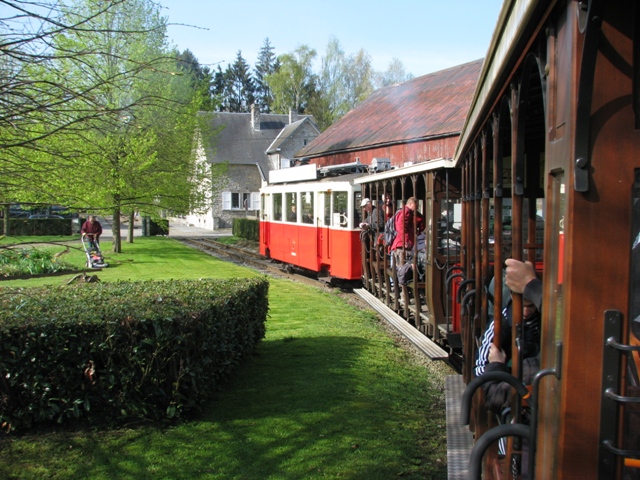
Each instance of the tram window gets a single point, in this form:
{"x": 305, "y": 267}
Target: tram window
{"x": 307, "y": 207}
{"x": 357, "y": 200}
{"x": 263, "y": 207}
{"x": 339, "y": 213}
{"x": 277, "y": 206}
{"x": 291, "y": 207}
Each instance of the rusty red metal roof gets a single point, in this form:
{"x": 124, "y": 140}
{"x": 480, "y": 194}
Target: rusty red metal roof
{"x": 433, "y": 105}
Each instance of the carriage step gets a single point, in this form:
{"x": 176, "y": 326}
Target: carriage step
{"x": 423, "y": 343}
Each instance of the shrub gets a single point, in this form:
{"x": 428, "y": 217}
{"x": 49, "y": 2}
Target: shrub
{"x": 30, "y": 261}
{"x": 114, "y": 352}
{"x": 246, "y": 228}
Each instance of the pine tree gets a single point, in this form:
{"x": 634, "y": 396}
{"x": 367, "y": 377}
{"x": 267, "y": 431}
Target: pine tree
{"x": 239, "y": 86}
{"x": 266, "y": 65}
{"x": 218, "y": 89}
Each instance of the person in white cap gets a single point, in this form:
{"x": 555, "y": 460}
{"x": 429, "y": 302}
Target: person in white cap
{"x": 373, "y": 217}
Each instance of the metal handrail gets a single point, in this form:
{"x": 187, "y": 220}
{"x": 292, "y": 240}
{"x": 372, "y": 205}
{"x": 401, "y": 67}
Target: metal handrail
{"x": 613, "y": 343}
{"x": 488, "y": 438}
{"x": 473, "y": 385}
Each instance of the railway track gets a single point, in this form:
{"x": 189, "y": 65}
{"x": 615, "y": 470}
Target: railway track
{"x": 241, "y": 256}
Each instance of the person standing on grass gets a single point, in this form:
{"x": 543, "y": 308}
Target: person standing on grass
{"x": 92, "y": 229}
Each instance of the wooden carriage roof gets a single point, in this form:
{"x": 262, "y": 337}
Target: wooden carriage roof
{"x": 430, "y": 106}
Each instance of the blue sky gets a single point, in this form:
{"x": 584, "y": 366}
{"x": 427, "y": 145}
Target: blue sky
{"x": 426, "y": 35}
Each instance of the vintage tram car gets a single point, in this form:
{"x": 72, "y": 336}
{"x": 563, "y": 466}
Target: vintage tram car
{"x": 310, "y": 217}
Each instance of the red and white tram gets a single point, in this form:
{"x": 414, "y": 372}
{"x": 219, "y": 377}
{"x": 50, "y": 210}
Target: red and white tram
{"x": 310, "y": 217}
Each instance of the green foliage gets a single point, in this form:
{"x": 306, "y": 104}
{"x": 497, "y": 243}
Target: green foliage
{"x": 343, "y": 82}
{"x": 136, "y": 151}
{"x": 201, "y": 79}
{"x": 123, "y": 351}
{"x": 294, "y": 82}
{"x": 246, "y": 228}
{"x": 28, "y": 261}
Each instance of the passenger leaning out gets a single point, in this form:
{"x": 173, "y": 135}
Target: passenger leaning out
{"x": 408, "y": 222}
{"x": 373, "y": 217}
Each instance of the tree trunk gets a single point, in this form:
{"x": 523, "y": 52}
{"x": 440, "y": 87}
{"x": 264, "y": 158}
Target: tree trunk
{"x": 132, "y": 218}
{"x": 115, "y": 226}
{"x": 5, "y": 220}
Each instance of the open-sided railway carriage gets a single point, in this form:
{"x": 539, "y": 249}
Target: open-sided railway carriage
{"x": 553, "y": 135}
{"x": 424, "y": 300}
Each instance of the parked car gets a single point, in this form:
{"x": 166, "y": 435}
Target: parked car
{"x": 44, "y": 215}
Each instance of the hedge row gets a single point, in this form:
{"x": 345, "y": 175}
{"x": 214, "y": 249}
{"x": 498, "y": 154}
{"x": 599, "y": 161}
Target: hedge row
{"x": 116, "y": 352}
{"x": 246, "y": 228}
{"x": 23, "y": 227}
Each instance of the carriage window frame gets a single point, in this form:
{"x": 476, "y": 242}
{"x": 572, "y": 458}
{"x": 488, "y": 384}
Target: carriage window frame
{"x": 290, "y": 200}
{"x": 340, "y": 209}
{"x": 263, "y": 207}
{"x": 307, "y": 206}
{"x": 325, "y": 202}
{"x": 277, "y": 207}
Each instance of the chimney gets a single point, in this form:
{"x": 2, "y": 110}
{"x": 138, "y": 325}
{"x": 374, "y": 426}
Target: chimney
{"x": 255, "y": 117}
{"x": 293, "y": 116}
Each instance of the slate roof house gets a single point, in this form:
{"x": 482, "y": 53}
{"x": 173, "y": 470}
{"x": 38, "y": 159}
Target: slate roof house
{"x": 407, "y": 123}
{"x": 250, "y": 144}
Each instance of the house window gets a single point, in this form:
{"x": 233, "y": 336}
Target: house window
{"x": 240, "y": 200}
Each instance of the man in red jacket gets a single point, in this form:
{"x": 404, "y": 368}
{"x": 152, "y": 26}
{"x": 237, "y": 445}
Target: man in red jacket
{"x": 408, "y": 222}
{"x": 93, "y": 230}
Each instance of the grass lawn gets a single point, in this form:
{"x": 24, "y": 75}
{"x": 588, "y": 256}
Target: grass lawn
{"x": 148, "y": 258}
{"x": 328, "y": 394}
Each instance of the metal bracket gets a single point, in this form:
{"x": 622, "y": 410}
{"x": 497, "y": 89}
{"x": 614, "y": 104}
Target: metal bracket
{"x": 592, "y": 28}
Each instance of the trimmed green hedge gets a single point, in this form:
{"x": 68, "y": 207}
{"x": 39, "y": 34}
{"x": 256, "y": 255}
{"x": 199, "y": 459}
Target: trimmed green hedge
{"x": 151, "y": 228}
{"x": 246, "y": 228}
{"x": 114, "y": 352}
{"x": 21, "y": 227}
